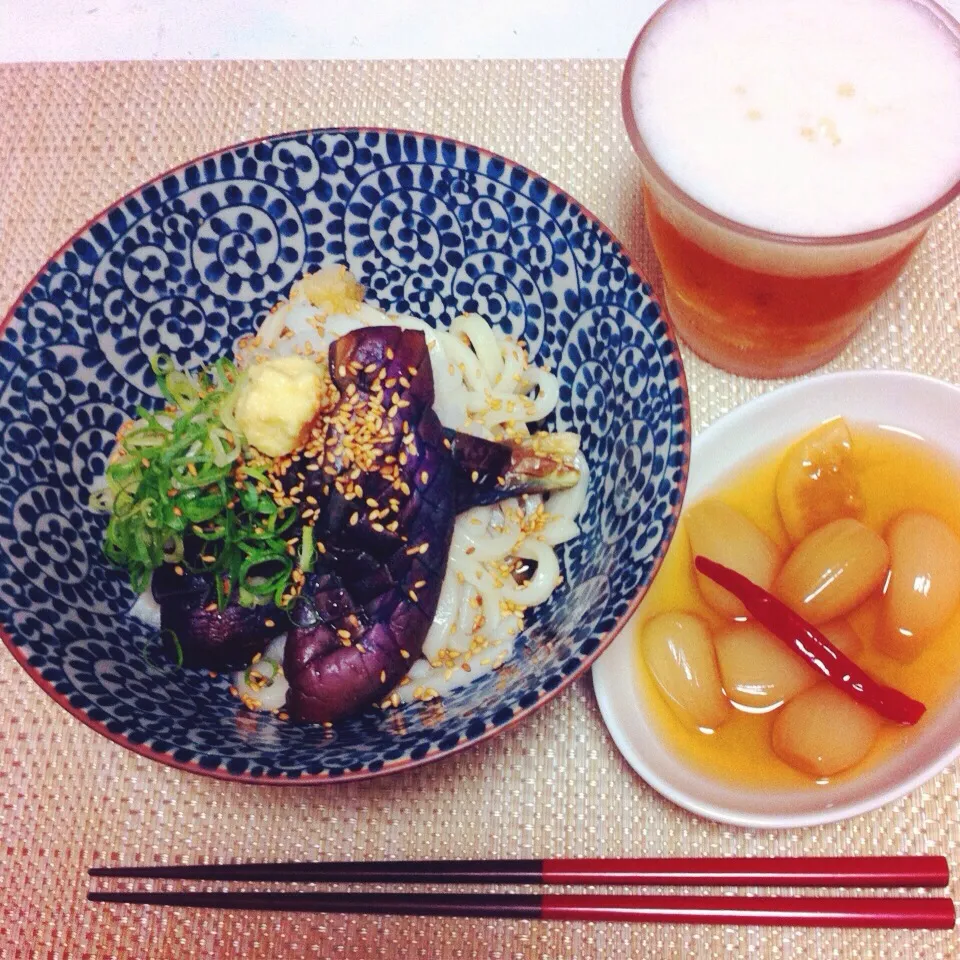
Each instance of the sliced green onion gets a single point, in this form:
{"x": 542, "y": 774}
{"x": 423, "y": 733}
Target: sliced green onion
{"x": 306, "y": 549}
{"x": 173, "y": 550}
{"x": 177, "y": 489}
{"x": 256, "y": 667}
{"x": 176, "y": 644}
{"x": 158, "y": 637}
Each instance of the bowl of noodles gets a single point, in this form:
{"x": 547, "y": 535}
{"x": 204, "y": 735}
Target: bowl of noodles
{"x": 331, "y": 453}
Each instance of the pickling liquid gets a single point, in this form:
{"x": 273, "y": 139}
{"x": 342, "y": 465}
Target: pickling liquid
{"x": 897, "y": 473}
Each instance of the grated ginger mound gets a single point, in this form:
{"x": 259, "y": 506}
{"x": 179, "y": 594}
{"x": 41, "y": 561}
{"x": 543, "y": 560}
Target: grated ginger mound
{"x": 332, "y": 289}
{"x": 278, "y": 400}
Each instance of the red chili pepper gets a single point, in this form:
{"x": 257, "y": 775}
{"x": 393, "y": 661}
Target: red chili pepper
{"x": 808, "y": 642}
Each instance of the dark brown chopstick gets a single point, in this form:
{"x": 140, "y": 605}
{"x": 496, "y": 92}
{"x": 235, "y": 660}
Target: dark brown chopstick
{"x": 925, "y": 871}
{"x": 931, "y": 913}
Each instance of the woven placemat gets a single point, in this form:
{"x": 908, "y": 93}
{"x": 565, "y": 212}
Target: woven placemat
{"x": 75, "y": 137}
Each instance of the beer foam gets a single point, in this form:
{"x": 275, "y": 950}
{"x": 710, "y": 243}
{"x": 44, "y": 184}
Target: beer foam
{"x": 806, "y": 117}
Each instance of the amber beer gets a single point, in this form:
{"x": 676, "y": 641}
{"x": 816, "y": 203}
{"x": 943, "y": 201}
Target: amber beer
{"x": 793, "y": 154}
{"x": 759, "y": 323}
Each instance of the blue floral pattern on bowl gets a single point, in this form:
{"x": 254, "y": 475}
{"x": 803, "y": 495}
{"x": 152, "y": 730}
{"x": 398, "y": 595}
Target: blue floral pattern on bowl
{"x": 187, "y": 263}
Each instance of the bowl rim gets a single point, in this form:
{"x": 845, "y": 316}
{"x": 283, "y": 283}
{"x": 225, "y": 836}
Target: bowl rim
{"x": 434, "y": 754}
{"x": 613, "y": 709}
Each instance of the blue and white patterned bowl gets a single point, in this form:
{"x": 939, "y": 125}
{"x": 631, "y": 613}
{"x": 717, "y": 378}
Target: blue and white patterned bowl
{"x": 184, "y": 265}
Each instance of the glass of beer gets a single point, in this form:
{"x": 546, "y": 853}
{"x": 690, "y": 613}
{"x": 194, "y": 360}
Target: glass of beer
{"x": 793, "y": 153}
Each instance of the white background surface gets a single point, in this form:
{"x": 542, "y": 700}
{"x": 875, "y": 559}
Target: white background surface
{"x": 319, "y": 29}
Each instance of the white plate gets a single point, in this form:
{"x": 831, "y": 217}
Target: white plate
{"x": 920, "y": 405}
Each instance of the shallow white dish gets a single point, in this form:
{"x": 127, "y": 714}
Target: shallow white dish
{"x": 919, "y": 405}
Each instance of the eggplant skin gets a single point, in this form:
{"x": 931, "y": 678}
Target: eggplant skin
{"x": 373, "y": 596}
{"x": 213, "y": 639}
{"x": 330, "y": 681}
{"x": 488, "y": 471}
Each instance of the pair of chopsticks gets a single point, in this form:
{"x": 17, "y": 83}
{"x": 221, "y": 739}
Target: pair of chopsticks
{"x": 936, "y": 913}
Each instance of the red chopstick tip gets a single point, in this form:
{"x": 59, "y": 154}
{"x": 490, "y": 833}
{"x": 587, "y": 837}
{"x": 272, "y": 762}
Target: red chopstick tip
{"x": 941, "y": 868}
